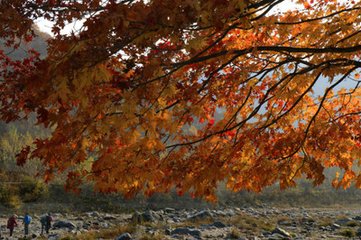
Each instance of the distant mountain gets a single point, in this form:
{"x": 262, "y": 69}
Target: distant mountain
{"x": 39, "y": 44}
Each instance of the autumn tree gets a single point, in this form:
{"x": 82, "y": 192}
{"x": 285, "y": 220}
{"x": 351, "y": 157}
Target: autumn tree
{"x": 138, "y": 86}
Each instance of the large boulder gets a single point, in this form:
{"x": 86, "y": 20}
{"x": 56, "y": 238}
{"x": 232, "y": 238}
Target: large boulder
{"x": 93, "y": 214}
{"x": 64, "y": 224}
{"x": 54, "y": 237}
{"x": 201, "y": 215}
{"x": 169, "y": 210}
{"x": 147, "y": 216}
{"x": 108, "y": 217}
{"x": 358, "y": 218}
{"x": 281, "y": 231}
{"x": 218, "y": 225}
{"x": 186, "y": 231}
{"x": 124, "y": 236}
{"x": 343, "y": 221}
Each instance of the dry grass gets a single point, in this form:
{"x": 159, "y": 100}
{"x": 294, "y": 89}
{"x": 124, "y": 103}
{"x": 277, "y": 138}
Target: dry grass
{"x": 156, "y": 236}
{"x": 324, "y": 222}
{"x": 349, "y": 233}
{"x": 104, "y": 234}
{"x": 195, "y": 222}
{"x": 353, "y": 224}
{"x": 235, "y": 233}
{"x": 252, "y": 223}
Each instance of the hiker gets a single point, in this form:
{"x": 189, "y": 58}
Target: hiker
{"x": 45, "y": 223}
{"x": 26, "y": 222}
{"x": 12, "y": 224}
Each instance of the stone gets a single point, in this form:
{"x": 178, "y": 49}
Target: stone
{"x": 281, "y": 231}
{"x": 358, "y": 218}
{"x": 277, "y": 236}
{"x": 124, "y": 236}
{"x": 201, "y": 215}
{"x": 104, "y": 225}
{"x": 186, "y": 231}
{"x": 53, "y": 237}
{"x": 169, "y": 210}
{"x": 108, "y": 217}
{"x": 343, "y": 221}
{"x": 64, "y": 224}
{"x": 335, "y": 226}
{"x": 218, "y": 225}
{"x": 150, "y": 216}
{"x": 93, "y": 214}
{"x": 147, "y": 216}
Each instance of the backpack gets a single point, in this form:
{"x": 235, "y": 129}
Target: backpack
{"x": 43, "y": 220}
{"x": 27, "y": 219}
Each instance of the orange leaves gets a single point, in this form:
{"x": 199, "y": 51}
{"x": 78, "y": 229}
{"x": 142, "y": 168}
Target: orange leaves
{"x": 181, "y": 94}
{"x": 346, "y": 180}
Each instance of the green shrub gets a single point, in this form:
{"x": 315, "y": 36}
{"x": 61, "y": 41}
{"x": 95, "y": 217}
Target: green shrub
{"x": 32, "y": 189}
{"x": 13, "y": 202}
{"x": 352, "y": 224}
{"x": 348, "y": 233}
{"x": 9, "y": 197}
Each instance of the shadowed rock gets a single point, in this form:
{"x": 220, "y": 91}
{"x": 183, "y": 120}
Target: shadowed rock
{"x": 64, "y": 224}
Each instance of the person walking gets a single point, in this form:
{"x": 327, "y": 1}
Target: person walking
{"x": 45, "y": 223}
{"x": 26, "y": 222}
{"x": 12, "y": 224}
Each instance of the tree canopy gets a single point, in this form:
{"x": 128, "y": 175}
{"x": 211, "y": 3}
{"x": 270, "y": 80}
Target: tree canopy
{"x": 186, "y": 93}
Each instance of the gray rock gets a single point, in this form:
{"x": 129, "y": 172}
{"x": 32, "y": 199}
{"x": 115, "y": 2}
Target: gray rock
{"x": 201, "y": 215}
{"x": 281, "y": 231}
{"x": 93, "y": 214}
{"x": 64, "y": 224}
{"x": 148, "y": 216}
{"x": 169, "y": 210}
{"x": 335, "y": 226}
{"x": 53, "y": 237}
{"x": 277, "y": 236}
{"x": 109, "y": 217}
{"x": 104, "y": 225}
{"x": 218, "y": 225}
{"x": 124, "y": 236}
{"x": 343, "y": 221}
{"x": 186, "y": 231}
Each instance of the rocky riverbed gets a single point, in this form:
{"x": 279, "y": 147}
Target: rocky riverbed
{"x": 230, "y": 223}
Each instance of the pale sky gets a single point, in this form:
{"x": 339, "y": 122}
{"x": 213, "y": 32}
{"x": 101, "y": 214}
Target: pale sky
{"x": 46, "y": 25}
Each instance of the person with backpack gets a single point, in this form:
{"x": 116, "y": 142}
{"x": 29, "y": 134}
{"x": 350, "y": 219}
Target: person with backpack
{"x": 12, "y": 224}
{"x": 26, "y": 221}
{"x": 45, "y": 223}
